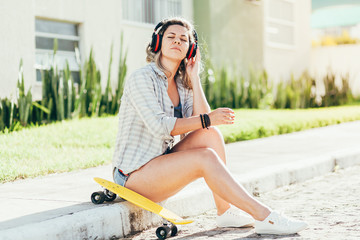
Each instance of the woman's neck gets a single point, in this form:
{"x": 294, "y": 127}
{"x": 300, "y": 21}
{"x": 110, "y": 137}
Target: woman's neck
{"x": 170, "y": 65}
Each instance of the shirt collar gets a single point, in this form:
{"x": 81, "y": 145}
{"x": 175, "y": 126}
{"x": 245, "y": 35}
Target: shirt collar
{"x": 162, "y": 74}
{"x": 157, "y": 70}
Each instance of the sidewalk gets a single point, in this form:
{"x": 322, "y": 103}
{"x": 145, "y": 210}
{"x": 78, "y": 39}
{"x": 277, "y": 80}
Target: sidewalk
{"x": 59, "y": 207}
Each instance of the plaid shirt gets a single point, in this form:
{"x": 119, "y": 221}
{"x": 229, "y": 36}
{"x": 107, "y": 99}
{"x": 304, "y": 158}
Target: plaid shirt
{"x": 146, "y": 118}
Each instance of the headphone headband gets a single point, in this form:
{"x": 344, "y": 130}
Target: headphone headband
{"x": 159, "y": 25}
{"x": 195, "y": 36}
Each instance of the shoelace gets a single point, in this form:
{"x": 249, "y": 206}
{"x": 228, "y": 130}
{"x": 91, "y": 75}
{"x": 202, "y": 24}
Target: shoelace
{"x": 230, "y": 212}
{"x": 282, "y": 219}
{"x": 234, "y": 212}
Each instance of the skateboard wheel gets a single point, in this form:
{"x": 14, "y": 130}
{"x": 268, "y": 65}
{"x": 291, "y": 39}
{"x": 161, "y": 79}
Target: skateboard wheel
{"x": 163, "y": 232}
{"x": 109, "y": 196}
{"x": 174, "y": 231}
{"x": 98, "y": 197}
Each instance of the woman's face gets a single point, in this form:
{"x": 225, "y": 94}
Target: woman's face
{"x": 175, "y": 42}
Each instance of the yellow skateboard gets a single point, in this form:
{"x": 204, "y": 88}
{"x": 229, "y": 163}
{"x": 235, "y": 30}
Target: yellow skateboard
{"x": 109, "y": 194}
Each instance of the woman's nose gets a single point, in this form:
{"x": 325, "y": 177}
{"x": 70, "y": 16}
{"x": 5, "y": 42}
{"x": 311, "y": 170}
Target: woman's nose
{"x": 176, "y": 40}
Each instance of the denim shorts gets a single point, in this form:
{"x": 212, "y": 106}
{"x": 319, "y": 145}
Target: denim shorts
{"x": 119, "y": 177}
{"x": 167, "y": 151}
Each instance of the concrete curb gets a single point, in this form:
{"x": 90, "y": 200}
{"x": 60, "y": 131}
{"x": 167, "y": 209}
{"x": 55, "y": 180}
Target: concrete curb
{"x": 118, "y": 220}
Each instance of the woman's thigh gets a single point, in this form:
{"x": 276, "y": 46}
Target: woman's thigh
{"x": 165, "y": 175}
{"x": 202, "y": 138}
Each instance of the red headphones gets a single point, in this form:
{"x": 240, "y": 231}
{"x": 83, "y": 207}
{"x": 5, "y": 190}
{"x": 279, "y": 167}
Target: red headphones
{"x": 157, "y": 40}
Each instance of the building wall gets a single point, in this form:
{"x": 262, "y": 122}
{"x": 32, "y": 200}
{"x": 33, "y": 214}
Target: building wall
{"x": 341, "y": 60}
{"x": 17, "y": 41}
{"x": 281, "y": 62}
{"x": 100, "y": 25}
{"x": 233, "y": 31}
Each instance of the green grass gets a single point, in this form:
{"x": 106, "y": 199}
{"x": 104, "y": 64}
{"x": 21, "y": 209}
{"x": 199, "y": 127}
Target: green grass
{"x": 58, "y": 147}
{"x": 89, "y": 142}
{"x": 254, "y": 123}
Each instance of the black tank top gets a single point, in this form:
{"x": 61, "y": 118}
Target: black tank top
{"x": 177, "y": 111}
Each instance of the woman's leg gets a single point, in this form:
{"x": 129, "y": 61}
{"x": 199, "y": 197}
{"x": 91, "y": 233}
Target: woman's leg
{"x": 206, "y": 138}
{"x": 165, "y": 175}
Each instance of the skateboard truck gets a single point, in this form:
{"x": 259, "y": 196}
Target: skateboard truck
{"x": 168, "y": 229}
{"x": 101, "y": 196}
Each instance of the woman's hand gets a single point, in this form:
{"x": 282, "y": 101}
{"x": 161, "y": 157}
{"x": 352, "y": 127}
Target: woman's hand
{"x": 193, "y": 67}
{"x": 222, "y": 116}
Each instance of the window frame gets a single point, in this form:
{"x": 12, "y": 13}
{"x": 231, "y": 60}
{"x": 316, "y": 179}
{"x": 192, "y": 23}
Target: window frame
{"x": 156, "y": 13}
{"x": 283, "y": 22}
{"x": 50, "y": 52}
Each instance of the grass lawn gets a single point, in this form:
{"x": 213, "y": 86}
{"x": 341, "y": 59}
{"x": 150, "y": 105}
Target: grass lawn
{"x": 89, "y": 142}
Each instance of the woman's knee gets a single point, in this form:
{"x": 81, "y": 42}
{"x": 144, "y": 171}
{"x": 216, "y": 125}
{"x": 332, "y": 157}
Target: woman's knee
{"x": 213, "y": 132}
{"x": 207, "y": 157}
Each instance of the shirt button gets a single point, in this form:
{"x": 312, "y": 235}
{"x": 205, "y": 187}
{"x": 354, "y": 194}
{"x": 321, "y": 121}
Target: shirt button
{"x": 172, "y": 106}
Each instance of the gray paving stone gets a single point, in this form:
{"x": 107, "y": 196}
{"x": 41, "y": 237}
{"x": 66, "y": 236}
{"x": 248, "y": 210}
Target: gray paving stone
{"x": 329, "y": 203}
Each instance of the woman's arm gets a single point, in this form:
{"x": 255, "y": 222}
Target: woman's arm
{"x": 185, "y": 125}
{"x": 217, "y": 117}
{"x": 200, "y": 105}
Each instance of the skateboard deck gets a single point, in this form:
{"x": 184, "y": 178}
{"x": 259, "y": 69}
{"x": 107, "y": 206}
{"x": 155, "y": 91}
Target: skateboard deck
{"x": 142, "y": 202}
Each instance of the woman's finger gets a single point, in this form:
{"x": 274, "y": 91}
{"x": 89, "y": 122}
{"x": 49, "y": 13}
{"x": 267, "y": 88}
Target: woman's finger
{"x": 198, "y": 54}
{"x": 226, "y": 110}
{"x": 190, "y": 64}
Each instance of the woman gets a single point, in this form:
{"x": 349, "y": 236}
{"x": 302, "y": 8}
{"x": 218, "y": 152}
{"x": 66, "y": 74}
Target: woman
{"x": 165, "y": 99}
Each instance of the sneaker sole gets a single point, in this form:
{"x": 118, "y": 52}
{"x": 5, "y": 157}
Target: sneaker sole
{"x": 280, "y": 233}
{"x": 241, "y": 226}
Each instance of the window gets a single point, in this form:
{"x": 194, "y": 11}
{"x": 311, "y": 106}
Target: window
{"x": 280, "y": 23}
{"x": 68, "y": 46}
{"x": 150, "y": 11}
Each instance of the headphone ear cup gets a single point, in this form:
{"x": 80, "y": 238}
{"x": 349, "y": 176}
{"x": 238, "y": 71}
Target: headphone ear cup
{"x": 192, "y": 51}
{"x": 156, "y": 43}
{"x": 160, "y": 42}
{"x": 195, "y": 48}
{"x": 153, "y": 42}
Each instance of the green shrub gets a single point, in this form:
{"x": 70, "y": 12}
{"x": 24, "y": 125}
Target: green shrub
{"x": 223, "y": 89}
{"x": 60, "y": 97}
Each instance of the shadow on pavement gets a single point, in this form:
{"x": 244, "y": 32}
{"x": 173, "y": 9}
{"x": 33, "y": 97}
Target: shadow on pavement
{"x": 232, "y": 233}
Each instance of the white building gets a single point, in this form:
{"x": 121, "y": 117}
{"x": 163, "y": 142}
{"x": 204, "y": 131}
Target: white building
{"x": 332, "y": 18}
{"x": 265, "y": 34}
{"x": 28, "y": 28}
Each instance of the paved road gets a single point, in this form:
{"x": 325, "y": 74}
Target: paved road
{"x": 330, "y": 204}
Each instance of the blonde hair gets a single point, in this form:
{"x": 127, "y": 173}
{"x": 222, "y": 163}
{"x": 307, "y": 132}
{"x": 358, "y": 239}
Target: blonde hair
{"x": 155, "y": 57}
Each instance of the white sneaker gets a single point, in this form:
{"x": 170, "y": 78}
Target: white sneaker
{"x": 234, "y": 217}
{"x": 277, "y": 223}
